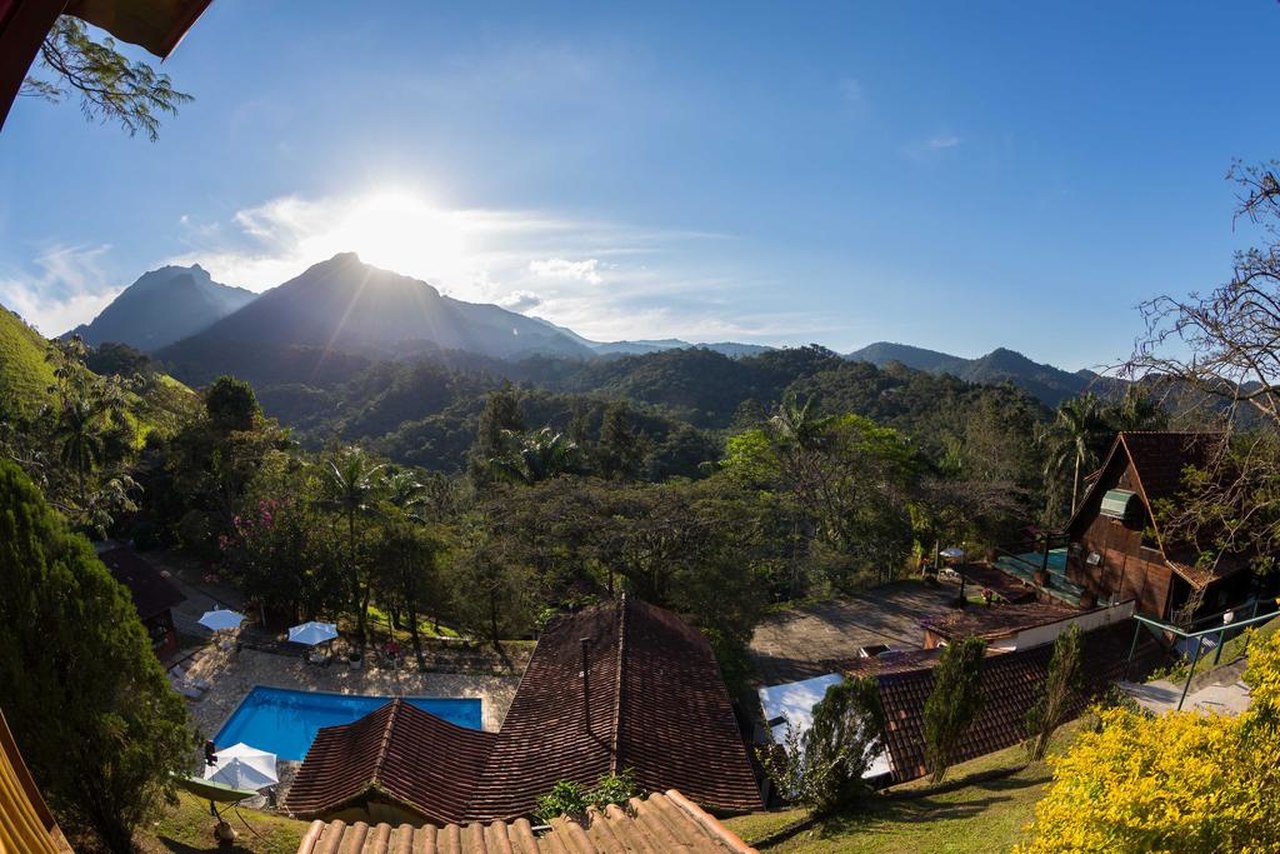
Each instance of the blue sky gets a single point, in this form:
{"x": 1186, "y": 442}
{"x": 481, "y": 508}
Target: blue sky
{"x": 954, "y": 176}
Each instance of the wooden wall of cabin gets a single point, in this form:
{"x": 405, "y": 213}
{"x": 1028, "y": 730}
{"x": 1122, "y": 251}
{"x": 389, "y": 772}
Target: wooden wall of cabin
{"x": 1127, "y": 569}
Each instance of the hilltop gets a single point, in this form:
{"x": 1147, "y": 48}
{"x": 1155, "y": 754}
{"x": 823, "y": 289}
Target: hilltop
{"x": 163, "y": 306}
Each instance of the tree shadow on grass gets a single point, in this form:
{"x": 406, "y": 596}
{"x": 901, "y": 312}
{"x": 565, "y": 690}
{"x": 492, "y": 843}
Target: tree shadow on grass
{"x": 888, "y": 815}
{"x": 212, "y": 845}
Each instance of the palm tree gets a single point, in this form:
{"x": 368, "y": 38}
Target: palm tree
{"x": 792, "y": 424}
{"x": 1136, "y": 411}
{"x": 351, "y": 484}
{"x": 79, "y": 437}
{"x": 1072, "y": 440}
{"x": 534, "y": 457}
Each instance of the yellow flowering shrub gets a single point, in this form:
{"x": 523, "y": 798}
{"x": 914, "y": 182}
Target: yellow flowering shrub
{"x": 1183, "y": 782}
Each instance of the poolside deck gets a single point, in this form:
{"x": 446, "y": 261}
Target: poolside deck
{"x": 232, "y": 675}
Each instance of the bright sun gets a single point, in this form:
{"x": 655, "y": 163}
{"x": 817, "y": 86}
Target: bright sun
{"x": 404, "y": 234}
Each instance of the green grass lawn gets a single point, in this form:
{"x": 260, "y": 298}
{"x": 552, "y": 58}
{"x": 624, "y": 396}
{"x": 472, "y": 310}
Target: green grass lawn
{"x": 966, "y": 815}
{"x": 187, "y": 828}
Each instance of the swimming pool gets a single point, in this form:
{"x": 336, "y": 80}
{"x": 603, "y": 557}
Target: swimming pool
{"x": 286, "y": 722}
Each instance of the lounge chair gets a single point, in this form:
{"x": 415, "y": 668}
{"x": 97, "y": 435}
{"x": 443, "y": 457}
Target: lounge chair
{"x": 184, "y": 684}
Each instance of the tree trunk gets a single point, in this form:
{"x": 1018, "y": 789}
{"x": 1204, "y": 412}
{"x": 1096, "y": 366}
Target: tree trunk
{"x": 412, "y": 613}
{"x": 1075, "y": 486}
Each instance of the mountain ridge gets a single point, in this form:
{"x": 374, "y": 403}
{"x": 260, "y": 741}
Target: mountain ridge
{"x": 161, "y": 307}
{"x": 1050, "y": 384}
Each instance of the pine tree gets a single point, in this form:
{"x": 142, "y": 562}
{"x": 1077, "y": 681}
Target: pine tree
{"x": 86, "y": 698}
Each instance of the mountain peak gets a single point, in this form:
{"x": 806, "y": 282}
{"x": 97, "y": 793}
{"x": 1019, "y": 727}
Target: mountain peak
{"x": 162, "y": 306}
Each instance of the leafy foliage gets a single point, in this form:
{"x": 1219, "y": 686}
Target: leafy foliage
{"x": 84, "y": 694}
{"x": 1183, "y": 782}
{"x": 110, "y": 86}
{"x": 1063, "y": 683}
{"x": 954, "y": 703}
{"x": 823, "y": 769}
{"x": 572, "y": 799}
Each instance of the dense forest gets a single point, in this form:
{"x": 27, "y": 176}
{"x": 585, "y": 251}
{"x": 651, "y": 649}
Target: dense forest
{"x": 436, "y": 493}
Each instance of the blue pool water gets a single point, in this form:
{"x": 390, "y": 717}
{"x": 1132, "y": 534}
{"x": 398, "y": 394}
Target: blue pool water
{"x": 285, "y": 722}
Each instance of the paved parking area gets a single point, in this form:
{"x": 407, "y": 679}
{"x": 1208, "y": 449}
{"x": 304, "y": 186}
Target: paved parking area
{"x": 809, "y": 640}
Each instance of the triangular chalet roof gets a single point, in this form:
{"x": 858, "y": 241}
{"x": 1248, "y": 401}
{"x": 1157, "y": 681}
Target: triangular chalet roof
{"x": 1158, "y": 460}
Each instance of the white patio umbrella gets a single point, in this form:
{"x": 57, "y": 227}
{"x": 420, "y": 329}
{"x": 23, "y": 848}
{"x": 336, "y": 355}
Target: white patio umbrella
{"x": 243, "y": 767}
{"x": 313, "y": 633}
{"x": 221, "y": 619}
{"x": 952, "y": 552}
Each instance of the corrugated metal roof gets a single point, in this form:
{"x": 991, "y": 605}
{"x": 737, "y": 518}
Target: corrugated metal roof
{"x": 657, "y": 824}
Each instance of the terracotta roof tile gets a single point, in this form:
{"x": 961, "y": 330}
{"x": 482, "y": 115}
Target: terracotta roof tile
{"x": 152, "y": 592}
{"x": 652, "y": 701}
{"x": 658, "y": 824}
{"x": 1011, "y": 684}
{"x": 409, "y": 755}
{"x": 622, "y": 685}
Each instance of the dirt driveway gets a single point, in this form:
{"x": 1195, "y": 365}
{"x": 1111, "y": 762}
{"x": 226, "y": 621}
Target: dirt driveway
{"x": 805, "y": 641}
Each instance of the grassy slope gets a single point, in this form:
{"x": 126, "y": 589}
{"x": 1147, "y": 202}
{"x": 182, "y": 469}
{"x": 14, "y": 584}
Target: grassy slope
{"x": 188, "y": 828}
{"x": 974, "y": 816}
{"x": 24, "y": 373}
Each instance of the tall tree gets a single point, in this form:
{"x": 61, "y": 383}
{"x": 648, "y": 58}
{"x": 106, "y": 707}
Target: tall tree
{"x": 824, "y": 767}
{"x": 351, "y": 484}
{"x": 1060, "y": 688}
{"x": 87, "y": 700}
{"x": 1222, "y": 350}
{"x": 954, "y": 703}
{"x": 1072, "y": 441}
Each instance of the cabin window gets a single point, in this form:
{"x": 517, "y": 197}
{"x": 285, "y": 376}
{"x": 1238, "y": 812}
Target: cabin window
{"x": 1123, "y": 505}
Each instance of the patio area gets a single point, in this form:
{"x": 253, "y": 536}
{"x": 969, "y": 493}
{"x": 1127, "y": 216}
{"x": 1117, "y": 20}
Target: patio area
{"x": 232, "y": 674}
{"x": 809, "y": 640}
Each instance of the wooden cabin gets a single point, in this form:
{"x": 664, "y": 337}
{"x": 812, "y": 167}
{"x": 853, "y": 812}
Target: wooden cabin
{"x": 1116, "y": 548}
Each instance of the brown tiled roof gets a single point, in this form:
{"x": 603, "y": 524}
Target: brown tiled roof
{"x": 152, "y": 592}
{"x": 401, "y": 752}
{"x": 1158, "y": 459}
{"x": 652, "y": 701}
{"x": 1011, "y": 684}
{"x": 657, "y": 824}
{"x": 996, "y": 620}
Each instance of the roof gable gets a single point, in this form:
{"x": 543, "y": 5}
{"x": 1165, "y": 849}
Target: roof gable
{"x": 621, "y": 685}
{"x": 405, "y": 754}
{"x": 652, "y": 701}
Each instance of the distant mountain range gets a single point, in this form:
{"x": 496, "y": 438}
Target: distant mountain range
{"x": 341, "y": 315}
{"x": 1051, "y": 385}
{"x": 340, "y": 306}
{"x": 162, "y": 307}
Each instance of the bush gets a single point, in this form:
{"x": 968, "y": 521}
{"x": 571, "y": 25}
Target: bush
{"x": 572, "y": 799}
{"x": 1183, "y": 781}
{"x": 824, "y": 768}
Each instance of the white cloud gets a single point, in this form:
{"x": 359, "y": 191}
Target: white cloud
{"x": 658, "y": 284}
{"x": 559, "y": 268}
{"x": 946, "y": 141}
{"x": 520, "y": 301}
{"x": 68, "y": 288}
